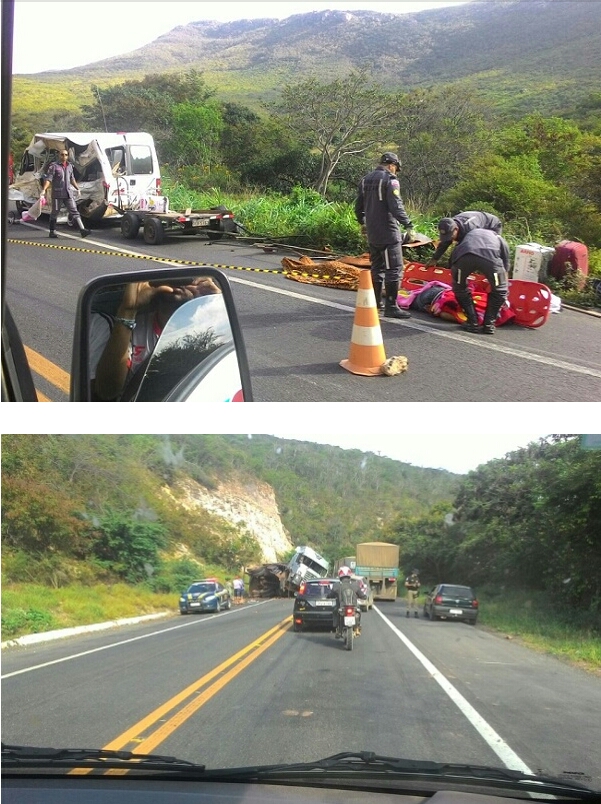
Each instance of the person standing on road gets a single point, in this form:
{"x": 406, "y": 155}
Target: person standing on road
{"x": 484, "y": 252}
{"x": 238, "y": 589}
{"x": 380, "y": 211}
{"x": 60, "y": 176}
{"x": 456, "y": 228}
{"x": 412, "y": 586}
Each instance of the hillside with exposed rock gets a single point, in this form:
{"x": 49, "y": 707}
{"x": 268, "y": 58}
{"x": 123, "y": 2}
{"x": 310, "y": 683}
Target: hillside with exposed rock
{"x": 522, "y": 54}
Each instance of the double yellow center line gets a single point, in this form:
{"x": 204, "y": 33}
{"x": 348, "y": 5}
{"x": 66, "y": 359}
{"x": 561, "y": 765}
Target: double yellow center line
{"x": 146, "y": 735}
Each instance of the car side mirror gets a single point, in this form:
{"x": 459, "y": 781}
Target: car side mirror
{"x": 181, "y": 343}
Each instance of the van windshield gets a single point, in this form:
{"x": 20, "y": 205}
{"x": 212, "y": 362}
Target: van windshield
{"x": 141, "y": 159}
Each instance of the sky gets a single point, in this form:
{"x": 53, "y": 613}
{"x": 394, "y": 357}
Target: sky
{"x": 113, "y": 28}
{"x": 458, "y": 453}
{"x": 452, "y": 436}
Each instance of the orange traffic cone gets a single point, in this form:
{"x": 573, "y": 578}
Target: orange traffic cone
{"x": 366, "y": 354}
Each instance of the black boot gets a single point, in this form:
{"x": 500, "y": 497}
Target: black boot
{"x": 391, "y": 308}
{"x": 467, "y": 305}
{"x": 493, "y": 306}
{"x": 378, "y": 295}
{"x": 52, "y": 233}
{"x": 82, "y": 230}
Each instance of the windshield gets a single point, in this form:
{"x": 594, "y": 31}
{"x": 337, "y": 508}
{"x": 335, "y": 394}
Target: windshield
{"x": 101, "y": 649}
{"x": 198, "y": 588}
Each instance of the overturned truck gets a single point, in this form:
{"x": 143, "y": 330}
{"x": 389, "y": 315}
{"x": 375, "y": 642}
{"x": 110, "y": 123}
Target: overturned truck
{"x": 281, "y": 580}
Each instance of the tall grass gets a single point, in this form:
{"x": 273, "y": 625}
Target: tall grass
{"x": 301, "y": 218}
{"x": 305, "y": 219}
{"x": 529, "y": 617}
{"x": 31, "y": 608}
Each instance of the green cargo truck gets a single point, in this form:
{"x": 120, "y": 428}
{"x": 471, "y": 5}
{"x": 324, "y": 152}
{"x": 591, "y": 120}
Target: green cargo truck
{"x": 378, "y": 562}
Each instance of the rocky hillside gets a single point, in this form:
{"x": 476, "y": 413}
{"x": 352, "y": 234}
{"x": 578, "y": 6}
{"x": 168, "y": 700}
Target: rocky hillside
{"x": 250, "y": 505}
{"x": 518, "y": 52}
{"x": 78, "y": 507}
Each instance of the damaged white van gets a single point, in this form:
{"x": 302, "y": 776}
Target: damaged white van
{"x": 115, "y": 172}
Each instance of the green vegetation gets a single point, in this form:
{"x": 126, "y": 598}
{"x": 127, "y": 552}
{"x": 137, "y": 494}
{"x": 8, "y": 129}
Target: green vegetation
{"x": 280, "y": 124}
{"x": 88, "y": 509}
{"x": 529, "y": 521}
{"x": 31, "y": 609}
{"x": 529, "y": 617}
{"x": 92, "y": 530}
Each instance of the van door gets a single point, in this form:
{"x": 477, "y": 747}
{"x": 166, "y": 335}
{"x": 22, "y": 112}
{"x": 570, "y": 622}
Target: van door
{"x": 138, "y": 166}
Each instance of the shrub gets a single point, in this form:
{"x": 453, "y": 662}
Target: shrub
{"x": 26, "y": 621}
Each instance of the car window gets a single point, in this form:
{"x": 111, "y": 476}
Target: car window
{"x": 318, "y": 590}
{"x": 459, "y": 591}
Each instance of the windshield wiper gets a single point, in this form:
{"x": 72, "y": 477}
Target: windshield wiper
{"x": 368, "y": 765}
{"x": 346, "y": 766}
{"x": 21, "y": 756}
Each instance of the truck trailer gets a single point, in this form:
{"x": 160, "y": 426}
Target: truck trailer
{"x": 378, "y": 563}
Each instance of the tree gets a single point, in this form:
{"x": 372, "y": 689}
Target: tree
{"x": 428, "y": 542}
{"x": 438, "y": 132}
{"x": 195, "y": 136}
{"x": 346, "y": 116}
{"x": 147, "y": 104}
{"x": 127, "y": 545}
{"x": 532, "y": 519}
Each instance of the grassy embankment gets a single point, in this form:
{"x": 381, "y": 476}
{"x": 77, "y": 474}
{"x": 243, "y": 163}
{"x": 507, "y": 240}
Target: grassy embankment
{"x": 303, "y": 219}
{"x": 29, "y": 608}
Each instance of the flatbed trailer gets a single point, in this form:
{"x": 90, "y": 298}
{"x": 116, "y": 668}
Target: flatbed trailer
{"x": 157, "y": 226}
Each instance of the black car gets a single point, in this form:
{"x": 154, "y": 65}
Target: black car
{"x": 447, "y": 601}
{"x": 314, "y": 604}
{"x": 207, "y": 595}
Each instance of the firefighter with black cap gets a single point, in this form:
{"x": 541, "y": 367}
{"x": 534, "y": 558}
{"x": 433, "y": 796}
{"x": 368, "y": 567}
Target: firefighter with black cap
{"x": 380, "y": 211}
{"x": 484, "y": 252}
{"x": 460, "y": 225}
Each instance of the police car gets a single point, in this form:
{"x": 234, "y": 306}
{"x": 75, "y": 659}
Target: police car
{"x": 205, "y": 595}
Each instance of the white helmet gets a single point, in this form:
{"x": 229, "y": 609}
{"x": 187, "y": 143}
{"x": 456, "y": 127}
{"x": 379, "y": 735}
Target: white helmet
{"x": 345, "y": 572}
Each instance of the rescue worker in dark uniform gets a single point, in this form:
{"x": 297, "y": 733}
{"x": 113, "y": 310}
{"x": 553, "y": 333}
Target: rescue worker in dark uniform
{"x": 379, "y": 208}
{"x": 347, "y": 593}
{"x": 484, "y": 252}
{"x": 462, "y": 223}
{"x": 60, "y": 176}
{"x": 412, "y": 585}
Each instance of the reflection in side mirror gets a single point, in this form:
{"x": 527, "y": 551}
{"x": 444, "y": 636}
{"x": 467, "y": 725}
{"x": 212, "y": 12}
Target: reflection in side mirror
{"x": 159, "y": 336}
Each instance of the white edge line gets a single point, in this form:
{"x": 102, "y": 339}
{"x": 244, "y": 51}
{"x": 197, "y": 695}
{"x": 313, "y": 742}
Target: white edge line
{"x": 493, "y": 347}
{"x": 471, "y": 341}
{"x": 123, "y": 641}
{"x": 486, "y": 731}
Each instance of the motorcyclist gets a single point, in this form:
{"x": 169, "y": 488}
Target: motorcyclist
{"x": 347, "y": 593}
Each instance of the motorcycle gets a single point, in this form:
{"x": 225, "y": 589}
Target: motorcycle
{"x": 347, "y": 623}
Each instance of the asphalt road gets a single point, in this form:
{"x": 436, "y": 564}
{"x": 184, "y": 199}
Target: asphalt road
{"x": 241, "y": 688}
{"x": 296, "y": 334}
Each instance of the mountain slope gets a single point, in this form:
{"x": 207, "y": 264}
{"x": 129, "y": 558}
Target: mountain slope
{"x": 518, "y": 52}
{"x": 220, "y": 496}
